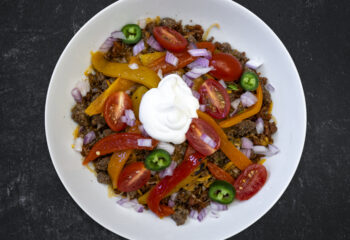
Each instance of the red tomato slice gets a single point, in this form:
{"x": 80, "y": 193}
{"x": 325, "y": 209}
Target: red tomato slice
{"x": 114, "y": 108}
{"x": 202, "y": 137}
{"x": 133, "y": 177}
{"x": 216, "y": 99}
{"x": 170, "y": 39}
{"x": 250, "y": 181}
{"x": 220, "y": 173}
{"x": 226, "y": 67}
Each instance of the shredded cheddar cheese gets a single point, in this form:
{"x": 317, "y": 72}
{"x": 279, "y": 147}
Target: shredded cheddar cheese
{"x": 206, "y": 33}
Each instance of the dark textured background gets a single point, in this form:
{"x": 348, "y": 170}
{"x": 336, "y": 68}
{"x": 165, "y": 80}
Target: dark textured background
{"x": 33, "y": 201}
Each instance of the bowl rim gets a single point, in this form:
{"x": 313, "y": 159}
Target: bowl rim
{"x": 268, "y": 205}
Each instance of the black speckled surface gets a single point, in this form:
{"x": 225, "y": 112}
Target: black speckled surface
{"x": 33, "y": 201}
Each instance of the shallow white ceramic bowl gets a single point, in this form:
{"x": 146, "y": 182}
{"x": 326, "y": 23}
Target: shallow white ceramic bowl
{"x": 237, "y": 25}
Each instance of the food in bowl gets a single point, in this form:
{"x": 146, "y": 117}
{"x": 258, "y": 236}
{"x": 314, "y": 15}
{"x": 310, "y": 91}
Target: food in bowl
{"x": 174, "y": 122}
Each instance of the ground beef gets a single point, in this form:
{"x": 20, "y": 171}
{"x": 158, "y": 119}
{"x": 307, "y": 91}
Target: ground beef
{"x": 266, "y": 97}
{"x": 98, "y": 121}
{"x": 95, "y": 81}
{"x": 241, "y": 129}
{"x": 120, "y": 52}
{"x": 103, "y": 177}
{"x": 107, "y": 132}
{"x": 171, "y": 23}
{"x": 79, "y": 116}
{"x": 101, "y": 163}
{"x": 219, "y": 158}
{"x": 269, "y": 128}
{"x": 182, "y": 197}
{"x": 133, "y": 194}
{"x": 234, "y": 172}
{"x": 193, "y": 32}
{"x": 180, "y": 216}
{"x": 226, "y": 48}
{"x": 179, "y": 152}
{"x": 149, "y": 27}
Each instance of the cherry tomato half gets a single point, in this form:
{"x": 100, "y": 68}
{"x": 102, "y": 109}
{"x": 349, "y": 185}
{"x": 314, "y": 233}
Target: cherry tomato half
{"x": 216, "y": 99}
{"x": 250, "y": 181}
{"x": 114, "y": 108}
{"x": 226, "y": 67}
{"x": 170, "y": 39}
{"x": 202, "y": 137}
{"x": 133, "y": 177}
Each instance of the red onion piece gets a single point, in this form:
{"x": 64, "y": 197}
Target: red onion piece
{"x": 191, "y": 45}
{"x": 143, "y": 131}
{"x": 259, "y": 125}
{"x": 199, "y": 62}
{"x": 171, "y": 59}
{"x": 107, "y": 44}
{"x": 122, "y": 201}
{"x": 235, "y": 103}
{"x": 199, "y": 52}
{"x": 198, "y": 71}
{"x": 173, "y": 196}
{"x": 76, "y": 95}
{"x": 202, "y": 107}
{"x": 133, "y": 66}
{"x": 222, "y": 82}
{"x": 202, "y": 214}
{"x": 160, "y": 73}
{"x": 246, "y": 152}
{"x": 89, "y": 137}
{"x": 171, "y": 203}
{"x": 208, "y": 140}
{"x": 154, "y": 44}
{"x": 130, "y": 117}
{"x": 188, "y": 81}
{"x": 260, "y": 149}
{"x": 196, "y": 94}
{"x": 218, "y": 207}
{"x": 246, "y": 143}
{"x": 78, "y": 144}
{"x": 118, "y": 35}
{"x": 144, "y": 142}
{"x": 193, "y": 214}
{"x": 139, "y": 47}
{"x": 254, "y": 63}
{"x": 83, "y": 86}
{"x": 192, "y": 75}
{"x": 167, "y": 147}
{"x": 272, "y": 150}
{"x": 168, "y": 171}
{"x": 269, "y": 87}
{"x": 248, "y": 99}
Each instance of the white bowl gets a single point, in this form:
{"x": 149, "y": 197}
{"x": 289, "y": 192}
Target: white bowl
{"x": 246, "y": 32}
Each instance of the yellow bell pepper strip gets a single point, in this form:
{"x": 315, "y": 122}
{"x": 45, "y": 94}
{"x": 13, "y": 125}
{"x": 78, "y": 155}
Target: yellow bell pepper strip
{"x": 197, "y": 83}
{"x": 96, "y": 106}
{"x": 134, "y": 59}
{"x": 247, "y": 113}
{"x": 148, "y": 58}
{"x": 142, "y": 75}
{"x": 227, "y": 147}
{"x": 116, "y": 164}
{"x": 136, "y": 99}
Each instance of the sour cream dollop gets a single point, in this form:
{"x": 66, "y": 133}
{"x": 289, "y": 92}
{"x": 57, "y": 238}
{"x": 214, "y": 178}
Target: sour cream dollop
{"x": 166, "y": 112}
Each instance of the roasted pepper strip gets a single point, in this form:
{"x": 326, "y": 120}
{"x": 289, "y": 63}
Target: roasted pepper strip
{"x": 117, "y": 142}
{"x": 142, "y": 74}
{"x": 184, "y": 59}
{"x": 136, "y": 99}
{"x": 208, "y": 45}
{"x": 238, "y": 158}
{"x": 220, "y": 173}
{"x": 247, "y": 113}
{"x": 116, "y": 164}
{"x": 167, "y": 184}
{"x": 148, "y": 58}
{"x": 96, "y": 106}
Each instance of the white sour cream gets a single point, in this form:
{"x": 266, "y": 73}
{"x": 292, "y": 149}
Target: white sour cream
{"x": 166, "y": 112}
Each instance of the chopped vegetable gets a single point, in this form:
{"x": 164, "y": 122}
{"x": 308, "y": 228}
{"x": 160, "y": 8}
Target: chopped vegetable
{"x": 171, "y": 59}
{"x": 221, "y": 192}
{"x": 89, "y": 137}
{"x": 259, "y": 125}
{"x": 132, "y": 33}
{"x": 116, "y": 164}
{"x": 158, "y": 160}
{"x": 117, "y": 142}
{"x": 76, "y": 94}
{"x": 154, "y": 44}
{"x": 142, "y": 75}
{"x": 232, "y": 87}
{"x": 251, "y": 111}
{"x": 168, "y": 171}
{"x": 139, "y": 47}
{"x": 249, "y": 81}
{"x": 254, "y": 63}
{"x": 248, "y": 99}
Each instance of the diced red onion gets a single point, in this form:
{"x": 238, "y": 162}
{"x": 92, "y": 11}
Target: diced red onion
{"x": 208, "y": 140}
{"x": 246, "y": 143}
{"x": 168, "y": 171}
{"x": 258, "y": 149}
{"x": 217, "y": 206}
{"x": 89, "y": 137}
{"x": 81, "y": 129}
{"x": 246, "y": 152}
{"x": 199, "y": 62}
{"x": 213, "y": 214}
{"x": 139, "y": 47}
{"x": 171, "y": 59}
{"x": 173, "y": 196}
{"x": 235, "y": 103}
{"x": 193, "y": 214}
{"x": 198, "y": 71}
{"x": 202, "y": 107}
{"x": 167, "y": 147}
{"x": 144, "y": 142}
{"x": 76, "y": 95}
{"x": 202, "y": 214}
{"x": 78, "y": 144}
{"x": 123, "y": 119}
{"x": 259, "y": 125}
{"x": 129, "y": 117}
{"x": 139, "y": 208}
{"x": 196, "y": 94}
{"x": 133, "y": 66}
{"x": 222, "y": 82}
{"x": 154, "y": 44}
{"x": 269, "y": 87}
{"x": 272, "y": 150}
{"x": 123, "y": 201}
{"x": 192, "y": 46}
{"x": 107, "y": 44}
{"x": 193, "y": 75}
{"x": 199, "y": 52}
{"x": 171, "y": 203}
{"x": 160, "y": 73}
{"x": 254, "y": 63}
{"x": 83, "y": 86}
{"x": 118, "y": 35}
{"x": 233, "y": 112}
{"x": 248, "y": 99}
{"x": 188, "y": 81}
{"x": 143, "y": 131}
